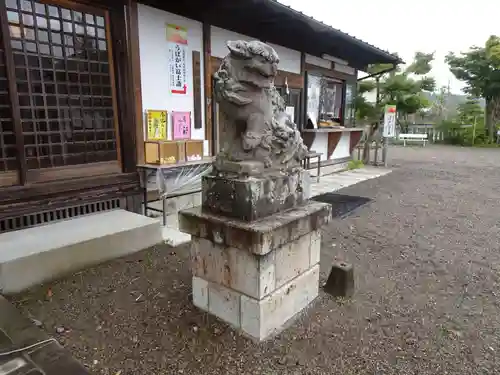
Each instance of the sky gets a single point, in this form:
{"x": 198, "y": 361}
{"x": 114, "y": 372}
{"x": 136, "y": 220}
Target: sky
{"x": 406, "y": 26}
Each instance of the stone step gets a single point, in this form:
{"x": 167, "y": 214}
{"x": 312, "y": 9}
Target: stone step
{"x": 32, "y": 256}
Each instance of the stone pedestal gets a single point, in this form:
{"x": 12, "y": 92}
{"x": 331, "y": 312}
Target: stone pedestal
{"x": 252, "y": 198}
{"x": 256, "y": 275}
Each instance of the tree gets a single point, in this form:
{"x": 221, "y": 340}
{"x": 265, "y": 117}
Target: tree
{"x": 479, "y": 68}
{"x": 403, "y": 88}
{"x": 365, "y": 110}
{"x": 438, "y": 106}
{"x": 470, "y": 111}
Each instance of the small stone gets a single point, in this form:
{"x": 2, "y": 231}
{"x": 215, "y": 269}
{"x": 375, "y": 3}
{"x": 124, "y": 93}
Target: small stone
{"x": 60, "y": 330}
{"x": 411, "y": 341}
{"x": 95, "y": 362}
{"x": 340, "y": 283}
{"x": 195, "y": 329}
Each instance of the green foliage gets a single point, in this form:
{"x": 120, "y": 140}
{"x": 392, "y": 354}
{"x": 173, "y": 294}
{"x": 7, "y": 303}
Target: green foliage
{"x": 366, "y": 86}
{"x": 400, "y": 87}
{"x": 470, "y": 111}
{"x": 422, "y": 63}
{"x": 364, "y": 109}
{"x": 454, "y": 133}
{"x": 355, "y": 164}
{"x": 479, "y": 68}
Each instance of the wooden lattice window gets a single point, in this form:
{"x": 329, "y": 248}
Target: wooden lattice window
{"x": 8, "y": 151}
{"x": 64, "y": 81}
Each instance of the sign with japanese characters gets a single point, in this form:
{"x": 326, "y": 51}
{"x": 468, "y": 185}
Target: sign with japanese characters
{"x": 181, "y": 122}
{"x": 157, "y": 124}
{"x": 389, "y": 121}
{"x": 177, "y": 58}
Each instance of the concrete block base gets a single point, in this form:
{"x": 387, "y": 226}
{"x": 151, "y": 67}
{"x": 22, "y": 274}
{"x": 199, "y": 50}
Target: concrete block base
{"x": 257, "y": 318}
{"x": 259, "y": 287}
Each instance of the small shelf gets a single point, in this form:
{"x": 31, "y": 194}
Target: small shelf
{"x": 205, "y": 160}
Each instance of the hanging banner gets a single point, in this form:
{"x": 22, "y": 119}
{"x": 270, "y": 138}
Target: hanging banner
{"x": 157, "y": 125}
{"x": 181, "y": 125}
{"x": 389, "y": 121}
{"x": 177, "y": 58}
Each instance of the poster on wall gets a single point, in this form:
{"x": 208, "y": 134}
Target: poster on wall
{"x": 181, "y": 125}
{"x": 157, "y": 124}
{"x": 177, "y": 58}
{"x": 313, "y": 96}
{"x": 349, "y": 104}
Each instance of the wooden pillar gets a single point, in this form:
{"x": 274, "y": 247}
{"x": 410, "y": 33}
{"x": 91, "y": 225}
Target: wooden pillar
{"x": 132, "y": 23}
{"x": 13, "y": 96}
{"x": 303, "y": 99}
{"x": 207, "y": 74}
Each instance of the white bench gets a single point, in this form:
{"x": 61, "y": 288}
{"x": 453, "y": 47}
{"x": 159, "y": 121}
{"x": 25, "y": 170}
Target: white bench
{"x": 413, "y": 138}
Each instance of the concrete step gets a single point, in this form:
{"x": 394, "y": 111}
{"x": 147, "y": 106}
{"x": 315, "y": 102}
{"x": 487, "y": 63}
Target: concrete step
{"x": 32, "y": 256}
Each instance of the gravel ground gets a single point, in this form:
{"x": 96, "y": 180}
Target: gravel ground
{"x": 427, "y": 264}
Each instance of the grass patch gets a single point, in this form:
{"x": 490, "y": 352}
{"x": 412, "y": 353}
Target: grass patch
{"x": 355, "y": 164}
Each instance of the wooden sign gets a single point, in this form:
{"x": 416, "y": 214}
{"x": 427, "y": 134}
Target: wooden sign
{"x": 156, "y": 121}
{"x": 197, "y": 89}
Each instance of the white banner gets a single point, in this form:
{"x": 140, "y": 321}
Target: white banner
{"x": 177, "y": 58}
{"x": 389, "y": 121}
{"x": 177, "y": 67}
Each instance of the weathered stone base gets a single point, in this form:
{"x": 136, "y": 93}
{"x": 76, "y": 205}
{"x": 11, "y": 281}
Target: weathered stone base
{"x": 253, "y": 198}
{"x": 256, "y": 276}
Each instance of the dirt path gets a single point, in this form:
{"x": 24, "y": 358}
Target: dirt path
{"x": 427, "y": 262}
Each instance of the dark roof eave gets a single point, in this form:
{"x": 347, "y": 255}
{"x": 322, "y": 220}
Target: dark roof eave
{"x": 245, "y": 13}
{"x": 379, "y": 55}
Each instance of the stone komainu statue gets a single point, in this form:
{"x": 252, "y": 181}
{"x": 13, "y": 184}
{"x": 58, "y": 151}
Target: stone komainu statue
{"x": 256, "y": 127}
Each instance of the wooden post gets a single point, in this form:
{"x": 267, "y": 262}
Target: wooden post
{"x": 132, "y": 23}
{"x": 13, "y": 96}
{"x": 207, "y": 73}
{"x": 303, "y": 100}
